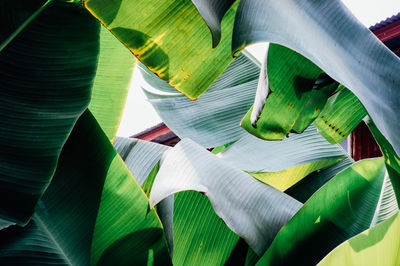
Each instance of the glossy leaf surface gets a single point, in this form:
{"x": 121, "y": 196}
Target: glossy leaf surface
{"x": 111, "y": 84}
{"x": 170, "y": 38}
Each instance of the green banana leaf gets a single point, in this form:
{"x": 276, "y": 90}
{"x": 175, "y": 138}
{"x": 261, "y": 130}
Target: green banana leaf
{"x": 329, "y": 35}
{"x": 201, "y": 237}
{"x": 93, "y": 212}
{"x": 307, "y": 186}
{"x": 46, "y": 75}
{"x": 348, "y": 204}
{"x": 342, "y": 113}
{"x": 212, "y": 12}
{"x": 392, "y": 160}
{"x": 284, "y": 179}
{"x": 291, "y": 93}
{"x": 111, "y": 84}
{"x": 212, "y": 120}
{"x": 376, "y": 246}
{"x": 188, "y": 166}
{"x": 170, "y": 38}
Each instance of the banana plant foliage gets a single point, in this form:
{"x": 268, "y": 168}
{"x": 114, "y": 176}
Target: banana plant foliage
{"x": 68, "y": 197}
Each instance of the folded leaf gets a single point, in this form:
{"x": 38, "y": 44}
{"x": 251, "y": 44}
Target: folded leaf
{"x": 111, "y": 84}
{"x": 212, "y": 12}
{"x": 253, "y": 210}
{"x": 292, "y": 94}
{"x": 46, "y": 76}
{"x": 344, "y": 207}
{"x": 330, "y": 36}
{"x": 376, "y": 246}
{"x": 213, "y": 119}
{"x": 341, "y": 114}
{"x": 170, "y": 38}
{"x": 93, "y": 212}
{"x": 140, "y": 156}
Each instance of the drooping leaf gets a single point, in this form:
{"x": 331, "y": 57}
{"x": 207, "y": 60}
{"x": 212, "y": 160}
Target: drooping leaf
{"x": 93, "y": 212}
{"x": 291, "y": 96}
{"x": 189, "y": 167}
{"x": 329, "y": 35}
{"x": 170, "y": 38}
{"x": 212, "y": 12}
{"x": 213, "y": 119}
{"x": 341, "y": 209}
{"x": 392, "y": 160}
{"x": 376, "y": 246}
{"x": 341, "y": 114}
{"x": 46, "y": 75}
{"x": 253, "y": 154}
{"x": 193, "y": 230}
{"x": 111, "y": 84}
{"x": 140, "y": 156}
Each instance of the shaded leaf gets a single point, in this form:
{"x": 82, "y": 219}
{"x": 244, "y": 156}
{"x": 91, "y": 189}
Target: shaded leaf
{"x": 341, "y": 209}
{"x": 46, "y": 76}
{"x": 376, "y": 246}
{"x": 93, "y": 212}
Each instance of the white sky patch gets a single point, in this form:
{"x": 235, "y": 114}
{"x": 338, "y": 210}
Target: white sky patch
{"x": 140, "y": 115}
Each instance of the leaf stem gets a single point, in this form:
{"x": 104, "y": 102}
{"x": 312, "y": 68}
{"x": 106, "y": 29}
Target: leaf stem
{"x": 23, "y": 25}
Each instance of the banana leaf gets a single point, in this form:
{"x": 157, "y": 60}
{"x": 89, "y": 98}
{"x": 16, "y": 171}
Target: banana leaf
{"x": 93, "y": 213}
{"x": 46, "y": 74}
{"x": 170, "y": 38}
{"x": 350, "y": 203}
{"x": 376, "y": 246}
{"x": 213, "y": 119}
{"x": 111, "y": 84}
{"x": 190, "y": 167}
{"x": 342, "y": 113}
{"x": 329, "y": 35}
{"x": 291, "y": 93}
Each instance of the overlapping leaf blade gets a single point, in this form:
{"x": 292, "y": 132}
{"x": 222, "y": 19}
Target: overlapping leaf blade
{"x": 293, "y": 95}
{"x": 170, "y": 38}
{"x": 111, "y": 84}
{"x": 344, "y": 207}
{"x": 93, "y": 212}
{"x": 376, "y": 246}
{"x": 342, "y": 113}
{"x": 184, "y": 168}
{"x": 344, "y": 49}
{"x": 213, "y": 119}
{"x": 212, "y": 12}
{"x": 46, "y": 75}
